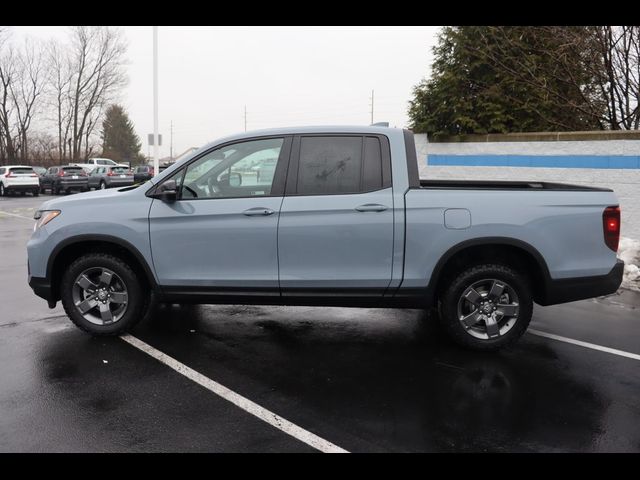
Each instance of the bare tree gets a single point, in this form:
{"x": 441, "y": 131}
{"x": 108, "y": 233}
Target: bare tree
{"x": 617, "y": 53}
{"x": 60, "y": 82}
{"x": 97, "y": 61}
{"x": 26, "y": 92}
{"x": 4, "y": 33}
{"x": 8, "y": 74}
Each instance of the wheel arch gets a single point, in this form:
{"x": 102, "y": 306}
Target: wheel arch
{"x": 73, "y": 247}
{"x": 514, "y": 252}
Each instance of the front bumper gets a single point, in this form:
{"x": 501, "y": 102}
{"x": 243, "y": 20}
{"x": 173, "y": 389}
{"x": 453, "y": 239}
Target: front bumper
{"x": 42, "y": 288}
{"x": 581, "y": 288}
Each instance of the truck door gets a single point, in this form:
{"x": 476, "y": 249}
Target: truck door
{"x": 335, "y": 234}
{"x": 220, "y": 235}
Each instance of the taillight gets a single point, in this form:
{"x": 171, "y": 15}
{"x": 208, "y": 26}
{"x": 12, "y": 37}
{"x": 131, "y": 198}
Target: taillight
{"x": 8, "y": 175}
{"x": 110, "y": 174}
{"x": 33, "y": 175}
{"x": 611, "y": 227}
{"x": 61, "y": 173}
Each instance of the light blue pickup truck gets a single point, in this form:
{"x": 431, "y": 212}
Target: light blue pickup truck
{"x": 343, "y": 219}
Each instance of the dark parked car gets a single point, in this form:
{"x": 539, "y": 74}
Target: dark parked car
{"x": 65, "y": 178}
{"x": 142, "y": 173}
{"x": 110, "y": 176}
{"x": 164, "y": 166}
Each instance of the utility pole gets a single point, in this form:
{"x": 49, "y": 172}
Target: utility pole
{"x": 371, "y": 107}
{"x": 156, "y": 151}
{"x": 245, "y": 118}
{"x": 171, "y": 142}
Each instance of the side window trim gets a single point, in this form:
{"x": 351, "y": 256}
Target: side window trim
{"x": 291, "y": 188}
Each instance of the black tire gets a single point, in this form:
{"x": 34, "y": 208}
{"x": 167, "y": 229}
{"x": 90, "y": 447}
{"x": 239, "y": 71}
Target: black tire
{"x": 138, "y": 301}
{"x": 103, "y": 186}
{"x": 54, "y": 190}
{"x": 43, "y": 190}
{"x": 2, "y": 190}
{"x": 35, "y": 193}
{"x": 455, "y": 288}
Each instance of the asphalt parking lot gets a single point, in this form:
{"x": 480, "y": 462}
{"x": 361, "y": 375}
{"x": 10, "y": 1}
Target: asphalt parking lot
{"x": 360, "y": 380}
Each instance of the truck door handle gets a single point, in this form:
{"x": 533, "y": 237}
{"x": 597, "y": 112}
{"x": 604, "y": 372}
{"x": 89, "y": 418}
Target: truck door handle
{"x": 371, "y": 207}
{"x": 258, "y": 211}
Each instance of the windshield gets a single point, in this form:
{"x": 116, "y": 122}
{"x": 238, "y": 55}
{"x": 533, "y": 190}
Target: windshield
{"x": 120, "y": 170}
{"x": 73, "y": 170}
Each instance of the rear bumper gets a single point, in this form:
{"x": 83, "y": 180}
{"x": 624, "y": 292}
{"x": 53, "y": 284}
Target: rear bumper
{"x": 22, "y": 188}
{"x": 120, "y": 183}
{"x": 73, "y": 183}
{"x": 572, "y": 289}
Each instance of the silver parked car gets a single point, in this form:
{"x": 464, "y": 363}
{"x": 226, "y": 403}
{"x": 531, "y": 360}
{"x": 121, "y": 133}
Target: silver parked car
{"x": 110, "y": 176}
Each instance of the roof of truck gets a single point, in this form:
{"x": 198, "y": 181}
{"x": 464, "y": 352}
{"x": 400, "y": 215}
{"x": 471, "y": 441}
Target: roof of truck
{"x": 302, "y": 130}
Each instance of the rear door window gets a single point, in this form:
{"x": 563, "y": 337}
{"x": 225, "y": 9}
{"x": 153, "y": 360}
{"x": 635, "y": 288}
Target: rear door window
{"x": 329, "y": 165}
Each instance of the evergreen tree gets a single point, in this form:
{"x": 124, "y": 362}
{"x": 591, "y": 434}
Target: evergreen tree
{"x": 503, "y": 79}
{"x": 119, "y": 140}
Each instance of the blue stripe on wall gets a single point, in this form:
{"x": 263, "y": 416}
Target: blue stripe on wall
{"x": 545, "y": 161}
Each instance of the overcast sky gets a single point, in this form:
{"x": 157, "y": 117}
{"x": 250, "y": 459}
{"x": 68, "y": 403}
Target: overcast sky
{"x": 284, "y": 75}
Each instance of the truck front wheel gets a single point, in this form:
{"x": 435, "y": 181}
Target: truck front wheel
{"x": 486, "y": 307}
{"x": 102, "y": 295}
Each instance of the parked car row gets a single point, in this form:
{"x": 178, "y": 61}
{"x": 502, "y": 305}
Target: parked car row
{"x": 68, "y": 178}
{"x": 73, "y": 177}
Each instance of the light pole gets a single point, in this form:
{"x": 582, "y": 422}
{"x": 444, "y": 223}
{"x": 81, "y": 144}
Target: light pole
{"x": 156, "y": 155}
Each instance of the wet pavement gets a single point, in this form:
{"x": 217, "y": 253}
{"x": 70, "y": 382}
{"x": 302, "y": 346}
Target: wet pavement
{"x": 364, "y": 379}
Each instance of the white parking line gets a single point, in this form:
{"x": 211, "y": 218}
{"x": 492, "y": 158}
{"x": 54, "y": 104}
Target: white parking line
{"x": 238, "y": 400}
{"x": 580, "y": 343}
{"x": 2, "y": 212}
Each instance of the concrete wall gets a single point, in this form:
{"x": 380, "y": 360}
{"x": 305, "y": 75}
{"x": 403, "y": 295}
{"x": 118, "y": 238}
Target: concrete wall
{"x": 552, "y": 161}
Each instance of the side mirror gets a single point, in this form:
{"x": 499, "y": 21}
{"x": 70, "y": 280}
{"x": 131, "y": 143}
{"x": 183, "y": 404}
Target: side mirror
{"x": 167, "y": 191}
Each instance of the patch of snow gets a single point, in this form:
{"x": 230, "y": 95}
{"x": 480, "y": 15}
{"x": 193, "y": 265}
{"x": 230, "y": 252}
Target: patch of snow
{"x": 629, "y": 252}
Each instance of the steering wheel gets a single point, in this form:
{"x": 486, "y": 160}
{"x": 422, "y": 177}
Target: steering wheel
{"x": 214, "y": 189}
{"x": 191, "y": 190}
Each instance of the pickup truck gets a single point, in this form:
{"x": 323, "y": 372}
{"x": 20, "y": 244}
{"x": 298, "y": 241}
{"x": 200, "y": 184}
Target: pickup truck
{"x": 92, "y": 163}
{"x": 342, "y": 220}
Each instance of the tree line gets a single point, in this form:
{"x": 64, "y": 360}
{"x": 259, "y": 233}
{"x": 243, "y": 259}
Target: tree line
{"x": 500, "y": 79}
{"x": 54, "y": 97}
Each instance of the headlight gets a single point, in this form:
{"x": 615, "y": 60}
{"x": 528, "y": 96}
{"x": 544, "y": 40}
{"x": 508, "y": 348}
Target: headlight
{"x": 43, "y": 217}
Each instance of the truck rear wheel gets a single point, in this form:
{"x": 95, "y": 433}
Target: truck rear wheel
{"x": 101, "y": 294}
{"x": 486, "y": 307}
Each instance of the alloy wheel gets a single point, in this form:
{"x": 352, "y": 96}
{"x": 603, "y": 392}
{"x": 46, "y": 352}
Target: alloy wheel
{"x": 488, "y": 308}
{"x": 100, "y": 296}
